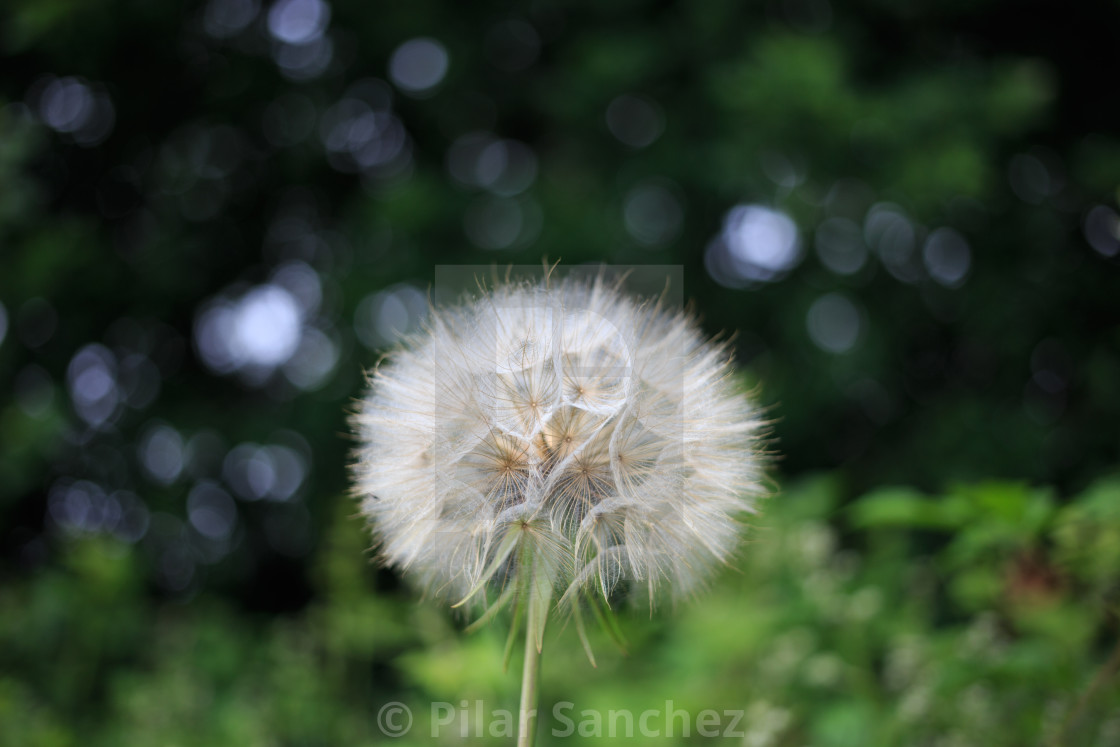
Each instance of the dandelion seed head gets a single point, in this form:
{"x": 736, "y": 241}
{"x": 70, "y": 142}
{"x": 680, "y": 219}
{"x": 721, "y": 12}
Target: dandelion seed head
{"x": 563, "y": 423}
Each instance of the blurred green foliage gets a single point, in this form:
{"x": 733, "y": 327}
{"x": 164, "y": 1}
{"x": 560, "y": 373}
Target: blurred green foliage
{"x": 836, "y": 629}
{"x": 928, "y": 309}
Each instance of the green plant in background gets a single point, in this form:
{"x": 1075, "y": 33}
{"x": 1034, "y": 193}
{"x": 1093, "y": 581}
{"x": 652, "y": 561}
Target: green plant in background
{"x": 842, "y": 627}
{"x": 556, "y": 443}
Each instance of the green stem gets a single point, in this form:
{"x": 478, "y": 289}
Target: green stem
{"x": 530, "y": 675}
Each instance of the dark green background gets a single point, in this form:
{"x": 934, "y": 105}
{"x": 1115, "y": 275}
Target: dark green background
{"x": 214, "y": 172}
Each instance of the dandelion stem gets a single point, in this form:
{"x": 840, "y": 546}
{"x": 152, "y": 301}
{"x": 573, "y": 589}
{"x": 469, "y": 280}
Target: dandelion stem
{"x": 530, "y": 675}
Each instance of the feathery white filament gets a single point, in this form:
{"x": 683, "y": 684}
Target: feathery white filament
{"x": 567, "y": 425}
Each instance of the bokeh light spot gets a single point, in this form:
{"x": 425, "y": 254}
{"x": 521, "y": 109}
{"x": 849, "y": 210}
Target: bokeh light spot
{"x": 72, "y": 107}
{"x": 418, "y": 66}
{"x": 254, "y": 333}
{"x": 840, "y": 246}
{"x": 84, "y": 506}
{"x": 298, "y": 21}
{"x": 635, "y": 120}
{"x": 1102, "y": 230}
{"x": 67, "y": 105}
{"x": 503, "y": 167}
{"x": 757, "y": 244}
{"x": 313, "y": 361}
{"x": 161, "y": 453}
{"x": 652, "y": 213}
{"x": 223, "y": 19}
{"x": 211, "y": 511}
{"x": 256, "y": 472}
{"x": 92, "y": 379}
{"x": 890, "y": 233}
{"x": 947, "y": 257}
{"x": 834, "y": 323}
{"x": 383, "y": 317}
{"x": 266, "y": 327}
{"x": 304, "y": 61}
{"x": 363, "y": 135}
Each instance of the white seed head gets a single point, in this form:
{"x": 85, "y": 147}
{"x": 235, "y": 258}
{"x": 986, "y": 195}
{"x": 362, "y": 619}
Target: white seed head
{"x": 564, "y": 427}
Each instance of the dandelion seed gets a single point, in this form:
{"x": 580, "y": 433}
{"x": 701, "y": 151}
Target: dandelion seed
{"x": 559, "y": 443}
